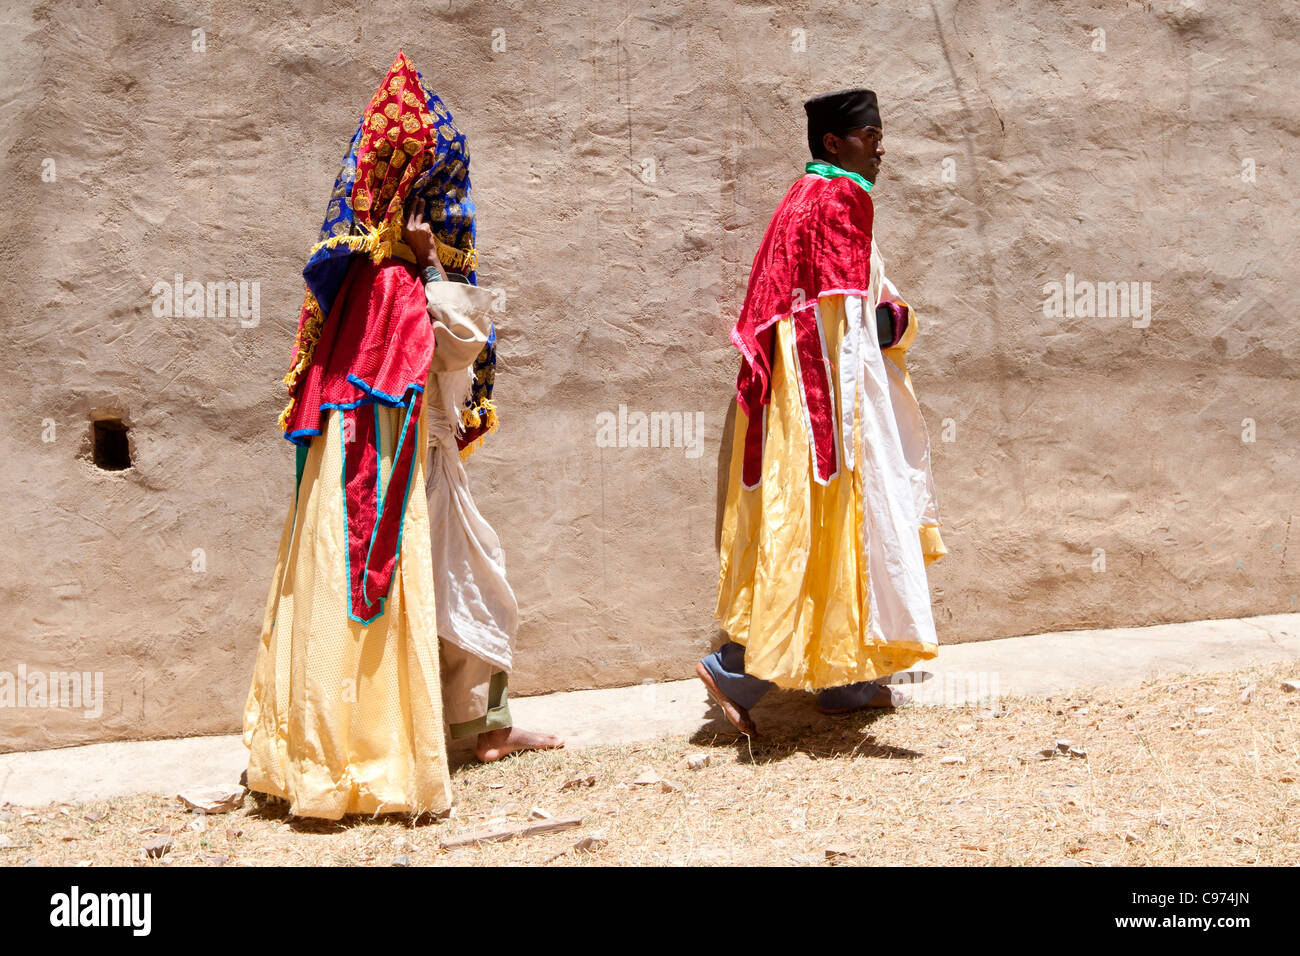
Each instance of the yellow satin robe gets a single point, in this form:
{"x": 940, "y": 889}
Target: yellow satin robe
{"x": 344, "y": 717}
{"x": 793, "y": 581}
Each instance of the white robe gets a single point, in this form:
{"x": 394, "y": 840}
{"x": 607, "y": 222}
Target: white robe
{"x": 477, "y": 610}
{"x": 884, "y": 431}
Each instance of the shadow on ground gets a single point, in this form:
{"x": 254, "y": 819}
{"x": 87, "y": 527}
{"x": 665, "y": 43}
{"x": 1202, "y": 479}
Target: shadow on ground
{"x": 262, "y": 807}
{"x": 788, "y": 725}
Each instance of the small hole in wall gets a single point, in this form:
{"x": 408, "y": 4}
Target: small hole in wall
{"x": 109, "y": 444}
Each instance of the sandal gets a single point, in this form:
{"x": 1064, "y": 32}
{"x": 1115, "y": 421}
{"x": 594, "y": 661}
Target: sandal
{"x": 736, "y": 715}
{"x": 895, "y": 697}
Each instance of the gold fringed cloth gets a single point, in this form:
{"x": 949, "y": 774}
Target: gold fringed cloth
{"x": 345, "y": 717}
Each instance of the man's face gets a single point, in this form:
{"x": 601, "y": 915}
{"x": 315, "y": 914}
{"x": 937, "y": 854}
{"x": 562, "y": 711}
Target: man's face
{"x": 859, "y": 150}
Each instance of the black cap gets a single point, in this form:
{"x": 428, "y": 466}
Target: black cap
{"x": 838, "y": 113}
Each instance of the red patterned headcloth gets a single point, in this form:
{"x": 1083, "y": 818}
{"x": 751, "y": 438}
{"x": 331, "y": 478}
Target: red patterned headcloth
{"x": 396, "y": 144}
{"x": 398, "y": 141}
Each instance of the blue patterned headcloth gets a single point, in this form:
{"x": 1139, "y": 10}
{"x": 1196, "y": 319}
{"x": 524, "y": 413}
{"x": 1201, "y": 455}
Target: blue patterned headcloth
{"x": 444, "y": 187}
{"x": 448, "y": 208}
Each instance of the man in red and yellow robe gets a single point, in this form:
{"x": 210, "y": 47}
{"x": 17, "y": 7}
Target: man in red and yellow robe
{"x": 830, "y": 516}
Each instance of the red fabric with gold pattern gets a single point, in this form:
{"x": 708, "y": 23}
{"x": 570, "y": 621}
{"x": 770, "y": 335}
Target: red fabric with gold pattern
{"x": 398, "y": 140}
{"x": 398, "y": 143}
{"x": 369, "y": 341}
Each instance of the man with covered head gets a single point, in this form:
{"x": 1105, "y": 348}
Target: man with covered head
{"x": 830, "y": 517}
{"x": 385, "y": 565}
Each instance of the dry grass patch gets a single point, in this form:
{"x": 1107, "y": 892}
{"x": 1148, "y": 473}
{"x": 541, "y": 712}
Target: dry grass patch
{"x": 1187, "y": 771}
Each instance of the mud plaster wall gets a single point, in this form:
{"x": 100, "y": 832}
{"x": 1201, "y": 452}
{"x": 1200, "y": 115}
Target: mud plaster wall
{"x": 1053, "y": 437}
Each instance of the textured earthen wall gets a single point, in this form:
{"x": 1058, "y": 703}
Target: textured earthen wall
{"x": 626, "y": 158}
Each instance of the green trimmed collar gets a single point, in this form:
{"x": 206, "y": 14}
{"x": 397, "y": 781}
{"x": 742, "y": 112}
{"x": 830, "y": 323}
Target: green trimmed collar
{"x": 829, "y": 171}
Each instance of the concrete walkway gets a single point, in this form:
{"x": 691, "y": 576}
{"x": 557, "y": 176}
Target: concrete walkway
{"x": 1043, "y": 664}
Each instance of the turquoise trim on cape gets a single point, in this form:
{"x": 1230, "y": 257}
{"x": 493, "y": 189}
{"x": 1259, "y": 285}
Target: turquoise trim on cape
{"x": 382, "y": 496}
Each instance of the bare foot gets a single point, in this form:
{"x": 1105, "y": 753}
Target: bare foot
{"x": 496, "y": 744}
{"x": 736, "y": 715}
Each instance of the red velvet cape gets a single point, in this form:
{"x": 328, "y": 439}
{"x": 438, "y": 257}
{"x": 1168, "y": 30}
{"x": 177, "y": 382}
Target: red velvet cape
{"x": 374, "y": 349}
{"x": 817, "y": 244}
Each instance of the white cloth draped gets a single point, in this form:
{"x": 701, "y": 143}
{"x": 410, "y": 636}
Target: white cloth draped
{"x": 477, "y": 610}
{"x": 885, "y": 436}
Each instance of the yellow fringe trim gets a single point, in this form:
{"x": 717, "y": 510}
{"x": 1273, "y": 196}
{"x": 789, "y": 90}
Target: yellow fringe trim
{"x": 461, "y": 260}
{"x": 376, "y": 240}
{"x": 304, "y": 349}
{"x": 404, "y": 252}
{"x": 471, "y": 418}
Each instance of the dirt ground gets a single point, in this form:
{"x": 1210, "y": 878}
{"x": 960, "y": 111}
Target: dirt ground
{"x": 1191, "y": 771}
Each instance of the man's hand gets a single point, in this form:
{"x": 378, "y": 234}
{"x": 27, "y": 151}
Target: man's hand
{"x": 417, "y": 234}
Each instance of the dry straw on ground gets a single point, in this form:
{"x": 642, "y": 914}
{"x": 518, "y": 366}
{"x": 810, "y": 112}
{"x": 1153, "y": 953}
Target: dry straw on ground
{"x": 1192, "y": 771}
